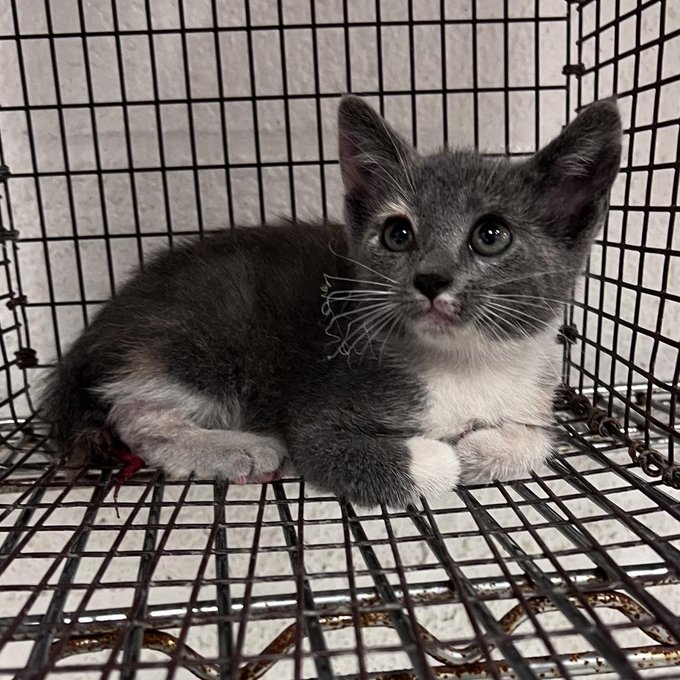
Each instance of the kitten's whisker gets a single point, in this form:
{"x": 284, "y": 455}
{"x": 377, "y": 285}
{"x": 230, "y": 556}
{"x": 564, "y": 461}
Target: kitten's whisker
{"x": 512, "y": 310}
{"x": 364, "y": 322}
{"x": 364, "y": 312}
{"x": 358, "y": 301}
{"x": 535, "y": 343}
{"x": 359, "y": 291}
{"x": 350, "y": 335}
{"x": 366, "y": 336}
{"x": 518, "y": 314}
{"x": 329, "y": 277}
{"x": 531, "y": 297}
{"x": 344, "y": 295}
{"x": 522, "y": 331}
{"x": 542, "y": 304}
{"x": 490, "y": 324}
{"x": 365, "y": 266}
{"x": 365, "y": 317}
{"x": 536, "y": 346}
{"x": 369, "y": 327}
{"x": 533, "y": 275}
{"x": 500, "y": 322}
{"x": 395, "y": 323}
{"x": 360, "y": 309}
{"x": 378, "y": 325}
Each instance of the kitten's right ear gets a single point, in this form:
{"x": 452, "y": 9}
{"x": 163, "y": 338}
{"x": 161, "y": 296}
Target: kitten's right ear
{"x": 373, "y": 157}
{"x": 575, "y": 171}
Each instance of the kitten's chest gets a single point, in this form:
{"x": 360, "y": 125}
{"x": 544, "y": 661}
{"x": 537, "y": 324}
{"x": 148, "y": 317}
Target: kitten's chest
{"x": 455, "y": 400}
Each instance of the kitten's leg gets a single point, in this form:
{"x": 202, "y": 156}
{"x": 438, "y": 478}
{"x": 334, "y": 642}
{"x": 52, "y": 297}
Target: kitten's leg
{"x": 371, "y": 470}
{"x": 165, "y": 439}
{"x": 508, "y": 451}
{"x": 182, "y": 431}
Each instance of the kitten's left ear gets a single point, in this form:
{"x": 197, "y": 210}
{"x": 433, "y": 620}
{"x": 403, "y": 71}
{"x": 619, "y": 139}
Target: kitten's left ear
{"x": 373, "y": 157}
{"x": 577, "y": 169}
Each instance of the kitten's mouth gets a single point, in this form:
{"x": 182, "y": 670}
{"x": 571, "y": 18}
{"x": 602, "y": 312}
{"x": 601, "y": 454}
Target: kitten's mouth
{"x": 439, "y": 313}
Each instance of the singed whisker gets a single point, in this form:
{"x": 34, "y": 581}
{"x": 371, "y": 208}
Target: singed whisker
{"x": 360, "y": 310}
{"x": 372, "y": 329}
{"x": 344, "y": 296}
{"x": 357, "y": 301}
{"x": 361, "y": 264}
{"x": 343, "y": 339}
{"x": 359, "y": 291}
{"x": 380, "y": 324}
{"x": 365, "y": 321}
{"x": 363, "y": 312}
{"x": 355, "y": 336}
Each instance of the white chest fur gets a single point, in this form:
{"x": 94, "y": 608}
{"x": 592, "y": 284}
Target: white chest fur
{"x": 516, "y": 386}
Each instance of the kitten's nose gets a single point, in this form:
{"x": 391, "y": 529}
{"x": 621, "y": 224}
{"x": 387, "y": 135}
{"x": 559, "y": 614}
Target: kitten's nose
{"x": 431, "y": 285}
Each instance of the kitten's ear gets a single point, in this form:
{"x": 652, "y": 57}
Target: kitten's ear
{"x": 373, "y": 157}
{"x": 577, "y": 169}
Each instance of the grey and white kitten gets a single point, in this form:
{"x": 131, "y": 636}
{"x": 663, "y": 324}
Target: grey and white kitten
{"x": 398, "y": 355}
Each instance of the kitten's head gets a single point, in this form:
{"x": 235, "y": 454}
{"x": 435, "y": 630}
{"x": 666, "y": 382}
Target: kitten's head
{"x": 459, "y": 245}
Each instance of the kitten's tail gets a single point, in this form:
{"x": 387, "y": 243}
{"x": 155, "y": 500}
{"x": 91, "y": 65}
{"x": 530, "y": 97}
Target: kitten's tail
{"x": 78, "y": 429}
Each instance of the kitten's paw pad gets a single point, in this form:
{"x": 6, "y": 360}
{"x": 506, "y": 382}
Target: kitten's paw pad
{"x": 267, "y": 477}
{"x": 435, "y": 466}
{"x": 502, "y": 453}
{"x": 262, "y": 478}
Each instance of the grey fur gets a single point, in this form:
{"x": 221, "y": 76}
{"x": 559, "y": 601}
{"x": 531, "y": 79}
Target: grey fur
{"x": 218, "y": 354}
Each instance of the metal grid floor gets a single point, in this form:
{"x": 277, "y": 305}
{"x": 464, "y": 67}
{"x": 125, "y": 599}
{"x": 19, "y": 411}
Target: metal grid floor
{"x": 575, "y": 573}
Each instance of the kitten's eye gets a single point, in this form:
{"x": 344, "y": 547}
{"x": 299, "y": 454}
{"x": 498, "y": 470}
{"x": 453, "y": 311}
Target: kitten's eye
{"x": 490, "y": 236}
{"x": 398, "y": 234}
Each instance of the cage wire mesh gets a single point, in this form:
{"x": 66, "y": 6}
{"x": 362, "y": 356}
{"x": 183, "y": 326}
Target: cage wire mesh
{"x": 127, "y": 124}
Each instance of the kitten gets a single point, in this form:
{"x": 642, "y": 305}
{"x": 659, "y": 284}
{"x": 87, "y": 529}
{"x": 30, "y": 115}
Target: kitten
{"x": 433, "y": 363}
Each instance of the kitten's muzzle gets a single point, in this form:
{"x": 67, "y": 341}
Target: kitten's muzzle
{"x": 443, "y": 310}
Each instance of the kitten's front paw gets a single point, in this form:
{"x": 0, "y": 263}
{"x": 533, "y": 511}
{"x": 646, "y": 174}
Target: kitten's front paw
{"x": 509, "y": 451}
{"x": 435, "y": 466}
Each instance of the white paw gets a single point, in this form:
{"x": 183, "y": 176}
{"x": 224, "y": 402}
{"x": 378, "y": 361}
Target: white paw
{"x": 509, "y": 451}
{"x": 435, "y": 466}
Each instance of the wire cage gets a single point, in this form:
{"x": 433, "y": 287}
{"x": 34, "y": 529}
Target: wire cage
{"x": 127, "y": 124}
